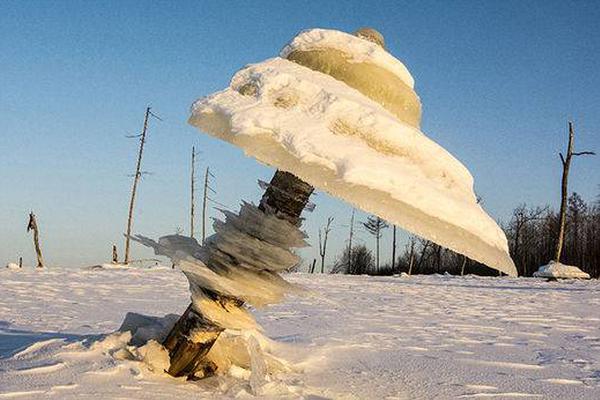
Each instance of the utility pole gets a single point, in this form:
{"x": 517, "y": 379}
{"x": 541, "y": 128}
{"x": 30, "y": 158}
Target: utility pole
{"x": 32, "y": 226}
{"x": 192, "y": 201}
{"x": 136, "y": 178}
{"x": 566, "y": 164}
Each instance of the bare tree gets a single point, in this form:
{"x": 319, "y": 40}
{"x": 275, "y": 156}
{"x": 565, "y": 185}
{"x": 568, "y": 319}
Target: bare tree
{"x": 136, "y": 179}
{"x": 375, "y": 225}
{"x": 33, "y": 226}
{"x": 323, "y": 242}
{"x": 411, "y": 257}
{"x": 464, "y": 264}
{"x": 192, "y": 191}
{"x": 394, "y": 249}
{"x": 566, "y": 164}
{"x": 350, "y": 237}
{"x": 205, "y": 200}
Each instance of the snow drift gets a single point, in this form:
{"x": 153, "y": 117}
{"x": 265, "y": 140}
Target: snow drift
{"x": 341, "y": 113}
{"x": 556, "y": 270}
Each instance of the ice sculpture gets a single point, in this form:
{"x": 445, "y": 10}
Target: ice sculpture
{"x": 337, "y": 112}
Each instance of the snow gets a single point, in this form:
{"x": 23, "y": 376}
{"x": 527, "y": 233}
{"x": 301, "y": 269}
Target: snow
{"x": 69, "y": 334}
{"x": 560, "y": 271}
{"x": 357, "y": 49}
{"x": 345, "y": 143}
{"x": 11, "y": 265}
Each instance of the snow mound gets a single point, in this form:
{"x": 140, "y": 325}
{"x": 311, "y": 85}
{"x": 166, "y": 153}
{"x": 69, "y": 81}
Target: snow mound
{"x": 560, "y": 271}
{"x": 11, "y": 265}
{"x": 348, "y": 142}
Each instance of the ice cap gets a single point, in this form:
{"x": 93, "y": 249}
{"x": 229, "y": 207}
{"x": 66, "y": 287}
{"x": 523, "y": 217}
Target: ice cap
{"x": 341, "y": 113}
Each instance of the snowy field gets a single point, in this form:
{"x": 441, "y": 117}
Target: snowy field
{"x": 424, "y": 337}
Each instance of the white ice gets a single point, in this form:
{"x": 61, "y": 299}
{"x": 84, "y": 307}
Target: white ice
{"x": 340, "y": 141}
{"x": 556, "y": 270}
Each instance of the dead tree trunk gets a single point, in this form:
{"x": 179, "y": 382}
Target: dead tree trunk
{"x": 193, "y": 335}
{"x": 313, "y": 265}
{"x": 462, "y": 268}
{"x": 323, "y": 243}
{"x": 411, "y": 260}
{"x": 32, "y": 226}
{"x": 192, "y": 192}
{"x": 566, "y": 164}
{"x": 394, "y": 249}
{"x": 351, "y": 235}
{"x": 204, "y": 202}
{"x": 115, "y": 255}
{"x": 136, "y": 179}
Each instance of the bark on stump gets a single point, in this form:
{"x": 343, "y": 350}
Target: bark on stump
{"x": 193, "y": 335}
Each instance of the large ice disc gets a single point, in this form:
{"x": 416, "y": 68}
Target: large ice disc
{"x": 342, "y": 138}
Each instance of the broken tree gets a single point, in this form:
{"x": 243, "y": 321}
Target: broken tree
{"x": 566, "y": 164}
{"x": 33, "y": 226}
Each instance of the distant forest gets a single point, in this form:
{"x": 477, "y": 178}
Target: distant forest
{"x": 531, "y": 232}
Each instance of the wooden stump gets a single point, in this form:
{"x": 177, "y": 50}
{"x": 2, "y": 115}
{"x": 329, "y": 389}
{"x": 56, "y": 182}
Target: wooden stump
{"x": 193, "y": 335}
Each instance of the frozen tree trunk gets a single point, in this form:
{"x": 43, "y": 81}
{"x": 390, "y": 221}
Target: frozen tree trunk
{"x": 32, "y": 226}
{"x": 193, "y": 335}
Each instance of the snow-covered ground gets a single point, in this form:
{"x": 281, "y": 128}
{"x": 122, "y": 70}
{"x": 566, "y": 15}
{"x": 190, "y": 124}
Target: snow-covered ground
{"x": 355, "y": 337}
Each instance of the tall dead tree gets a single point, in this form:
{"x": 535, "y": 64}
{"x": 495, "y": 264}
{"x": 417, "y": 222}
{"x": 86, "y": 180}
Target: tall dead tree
{"x": 375, "y": 225}
{"x": 192, "y": 191}
{"x": 394, "y": 249}
{"x": 33, "y": 226}
{"x": 350, "y": 237}
{"x": 323, "y": 242}
{"x": 566, "y": 164}
{"x": 136, "y": 178}
{"x": 411, "y": 256}
{"x": 285, "y": 198}
{"x": 206, "y": 199}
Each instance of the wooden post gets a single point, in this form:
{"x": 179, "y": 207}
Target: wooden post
{"x": 136, "y": 178}
{"x": 193, "y": 335}
{"x": 566, "y": 164}
{"x": 32, "y": 226}
{"x": 20, "y": 262}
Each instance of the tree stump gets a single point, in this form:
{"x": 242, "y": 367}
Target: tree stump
{"x": 193, "y": 335}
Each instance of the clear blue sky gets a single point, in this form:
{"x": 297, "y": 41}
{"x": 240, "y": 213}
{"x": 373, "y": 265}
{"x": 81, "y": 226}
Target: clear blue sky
{"x": 498, "y": 81}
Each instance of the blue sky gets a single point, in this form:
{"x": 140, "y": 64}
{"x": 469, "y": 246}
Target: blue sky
{"x": 498, "y": 81}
